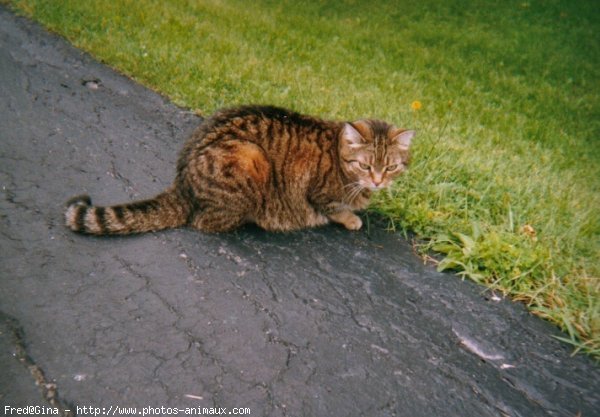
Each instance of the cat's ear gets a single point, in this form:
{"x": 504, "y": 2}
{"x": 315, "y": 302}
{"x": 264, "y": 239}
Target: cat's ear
{"x": 352, "y": 137}
{"x": 403, "y": 138}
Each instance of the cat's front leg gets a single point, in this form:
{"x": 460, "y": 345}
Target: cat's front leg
{"x": 350, "y": 220}
{"x": 338, "y": 213}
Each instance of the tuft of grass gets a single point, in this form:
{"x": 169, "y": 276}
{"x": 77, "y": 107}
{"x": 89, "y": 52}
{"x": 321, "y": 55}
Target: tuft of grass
{"x": 505, "y": 96}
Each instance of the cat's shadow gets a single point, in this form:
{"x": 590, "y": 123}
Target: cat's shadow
{"x": 373, "y": 223}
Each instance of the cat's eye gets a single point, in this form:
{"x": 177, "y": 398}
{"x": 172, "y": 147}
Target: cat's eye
{"x": 363, "y": 166}
{"x": 391, "y": 167}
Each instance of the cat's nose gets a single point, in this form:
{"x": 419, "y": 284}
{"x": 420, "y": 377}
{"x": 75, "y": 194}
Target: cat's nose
{"x": 376, "y": 179}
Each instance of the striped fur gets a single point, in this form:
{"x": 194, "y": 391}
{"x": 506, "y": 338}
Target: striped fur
{"x": 265, "y": 165}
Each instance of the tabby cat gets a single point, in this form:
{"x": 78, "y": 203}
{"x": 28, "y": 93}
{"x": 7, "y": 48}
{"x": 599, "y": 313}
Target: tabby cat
{"x": 265, "y": 165}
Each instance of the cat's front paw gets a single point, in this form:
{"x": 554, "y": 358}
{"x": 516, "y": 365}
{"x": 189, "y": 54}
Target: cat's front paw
{"x": 353, "y": 223}
{"x": 350, "y": 220}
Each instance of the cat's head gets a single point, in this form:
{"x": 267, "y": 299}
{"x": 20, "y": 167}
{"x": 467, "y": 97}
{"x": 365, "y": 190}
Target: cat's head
{"x": 373, "y": 153}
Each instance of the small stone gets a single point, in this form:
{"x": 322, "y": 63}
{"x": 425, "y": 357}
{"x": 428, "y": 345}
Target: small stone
{"x": 91, "y": 84}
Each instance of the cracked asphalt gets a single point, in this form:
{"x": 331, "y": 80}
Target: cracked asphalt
{"x": 323, "y": 322}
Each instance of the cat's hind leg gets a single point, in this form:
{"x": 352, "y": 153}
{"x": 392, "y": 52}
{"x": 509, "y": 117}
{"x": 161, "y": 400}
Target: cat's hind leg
{"x": 235, "y": 193}
{"x": 217, "y": 220}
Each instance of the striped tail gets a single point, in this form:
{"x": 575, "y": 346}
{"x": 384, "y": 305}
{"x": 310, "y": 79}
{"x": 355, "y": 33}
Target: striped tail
{"x": 164, "y": 211}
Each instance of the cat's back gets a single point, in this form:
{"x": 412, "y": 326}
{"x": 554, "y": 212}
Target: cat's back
{"x": 266, "y": 114}
{"x": 280, "y": 132}
{"x": 262, "y": 124}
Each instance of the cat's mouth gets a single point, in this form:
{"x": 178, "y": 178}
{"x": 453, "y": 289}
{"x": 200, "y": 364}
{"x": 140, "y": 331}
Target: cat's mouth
{"x": 379, "y": 187}
{"x": 372, "y": 186}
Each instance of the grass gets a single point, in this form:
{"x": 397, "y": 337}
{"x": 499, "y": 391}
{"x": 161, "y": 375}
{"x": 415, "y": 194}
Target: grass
{"x": 505, "y": 182}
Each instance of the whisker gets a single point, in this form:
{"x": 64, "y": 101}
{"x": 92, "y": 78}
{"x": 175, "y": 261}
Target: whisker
{"x": 353, "y": 193}
{"x": 352, "y": 187}
{"x": 350, "y": 184}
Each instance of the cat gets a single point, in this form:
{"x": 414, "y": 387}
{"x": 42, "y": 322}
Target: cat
{"x": 266, "y": 165}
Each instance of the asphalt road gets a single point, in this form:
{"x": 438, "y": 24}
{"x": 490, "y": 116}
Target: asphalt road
{"x": 324, "y": 322}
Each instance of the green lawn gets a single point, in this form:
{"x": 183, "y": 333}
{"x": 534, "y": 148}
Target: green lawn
{"x": 505, "y": 182}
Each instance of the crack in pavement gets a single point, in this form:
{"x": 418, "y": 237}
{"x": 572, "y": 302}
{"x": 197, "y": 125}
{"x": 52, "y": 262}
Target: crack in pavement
{"x": 49, "y": 389}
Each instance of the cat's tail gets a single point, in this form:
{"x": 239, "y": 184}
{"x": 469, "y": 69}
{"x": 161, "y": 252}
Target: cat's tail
{"x": 166, "y": 210}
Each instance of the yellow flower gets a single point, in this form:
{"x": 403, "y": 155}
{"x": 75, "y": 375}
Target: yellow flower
{"x": 416, "y": 105}
{"x": 528, "y": 230}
